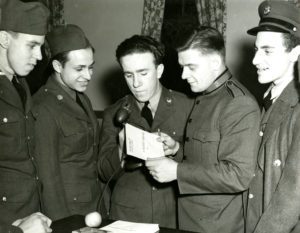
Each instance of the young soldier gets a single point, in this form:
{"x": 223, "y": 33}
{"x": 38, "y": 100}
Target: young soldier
{"x": 22, "y": 30}
{"x": 274, "y": 196}
{"x": 136, "y": 196}
{"x": 221, "y": 141}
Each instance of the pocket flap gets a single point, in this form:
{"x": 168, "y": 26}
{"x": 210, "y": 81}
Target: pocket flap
{"x": 203, "y": 136}
{"x": 78, "y": 193}
{"x": 15, "y": 192}
{"x": 72, "y": 128}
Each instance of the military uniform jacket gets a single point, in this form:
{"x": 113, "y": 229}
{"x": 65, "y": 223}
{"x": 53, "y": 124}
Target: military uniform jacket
{"x": 67, "y": 151}
{"x": 274, "y": 195}
{"x": 19, "y": 185}
{"x": 219, "y": 158}
{"x": 136, "y": 196}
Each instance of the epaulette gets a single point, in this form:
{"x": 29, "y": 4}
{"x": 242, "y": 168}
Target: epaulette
{"x": 233, "y": 89}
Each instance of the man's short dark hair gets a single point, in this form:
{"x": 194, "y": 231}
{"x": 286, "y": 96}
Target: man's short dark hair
{"x": 290, "y": 41}
{"x": 141, "y": 44}
{"x": 206, "y": 39}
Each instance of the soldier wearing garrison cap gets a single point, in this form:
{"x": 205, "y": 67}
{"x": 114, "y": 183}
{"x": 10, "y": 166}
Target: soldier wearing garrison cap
{"x": 220, "y": 145}
{"x": 274, "y": 197}
{"x": 67, "y": 154}
{"x": 22, "y": 31}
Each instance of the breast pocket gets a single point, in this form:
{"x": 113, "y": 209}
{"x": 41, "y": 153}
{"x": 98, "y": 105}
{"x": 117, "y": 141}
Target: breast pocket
{"x": 206, "y": 146}
{"x": 76, "y": 136}
{"x": 10, "y": 135}
{"x": 15, "y": 192}
{"x": 78, "y": 193}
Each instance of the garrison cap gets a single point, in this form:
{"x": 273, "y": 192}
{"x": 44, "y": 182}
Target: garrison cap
{"x": 24, "y": 17}
{"x": 278, "y": 16}
{"x": 64, "y": 38}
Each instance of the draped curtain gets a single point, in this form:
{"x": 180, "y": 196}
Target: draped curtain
{"x": 153, "y": 14}
{"x": 212, "y": 13}
{"x": 56, "y": 8}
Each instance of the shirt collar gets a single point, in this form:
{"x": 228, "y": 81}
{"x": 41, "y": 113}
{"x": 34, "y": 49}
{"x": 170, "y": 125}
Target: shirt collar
{"x": 277, "y": 89}
{"x": 153, "y": 102}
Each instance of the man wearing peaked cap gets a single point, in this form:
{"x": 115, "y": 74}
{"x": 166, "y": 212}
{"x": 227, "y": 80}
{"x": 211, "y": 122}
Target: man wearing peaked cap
{"x": 68, "y": 153}
{"x": 274, "y": 193}
{"x": 22, "y": 31}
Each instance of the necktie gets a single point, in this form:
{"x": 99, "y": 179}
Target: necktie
{"x": 20, "y": 90}
{"x": 146, "y": 113}
{"x": 78, "y": 101}
{"x": 267, "y": 101}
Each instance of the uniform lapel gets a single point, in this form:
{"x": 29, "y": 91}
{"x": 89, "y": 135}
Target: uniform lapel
{"x": 135, "y": 114}
{"x": 165, "y": 108}
{"x": 68, "y": 105}
{"x": 9, "y": 94}
{"x": 272, "y": 120}
{"x": 89, "y": 111}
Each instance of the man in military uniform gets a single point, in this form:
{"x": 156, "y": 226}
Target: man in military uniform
{"x": 274, "y": 194}
{"x": 67, "y": 154}
{"x": 136, "y": 196}
{"x": 221, "y": 140}
{"x": 22, "y": 30}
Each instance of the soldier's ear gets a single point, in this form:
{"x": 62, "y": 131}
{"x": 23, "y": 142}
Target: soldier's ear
{"x": 216, "y": 61}
{"x": 160, "y": 70}
{"x": 57, "y": 66}
{"x": 295, "y": 53}
{"x": 4, "y": 39}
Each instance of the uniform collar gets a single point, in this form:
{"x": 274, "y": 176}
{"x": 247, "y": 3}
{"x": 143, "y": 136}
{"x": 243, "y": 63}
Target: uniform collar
{"x": 153, "y": 102}
{"x": 277, "y": 89}
{"x": 221, "y": 79}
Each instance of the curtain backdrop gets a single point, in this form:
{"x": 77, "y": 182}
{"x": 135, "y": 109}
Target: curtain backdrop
{"x": 212, "y": 13}
{"x": 56, "y": 8}
{"x": 153, "y": 14}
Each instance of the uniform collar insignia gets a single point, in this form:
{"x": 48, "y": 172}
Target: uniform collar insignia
{"x": 267, "y": 10}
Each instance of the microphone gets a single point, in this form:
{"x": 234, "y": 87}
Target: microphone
{"x": 121, "y": 117}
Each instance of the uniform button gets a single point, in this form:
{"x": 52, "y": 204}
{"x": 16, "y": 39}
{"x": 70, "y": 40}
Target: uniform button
{"x": 254, "y": 175}
{"x": 26, "y": 117}
{"x": 59, "y": 97}
{"x": 198, "y": 102}
{"x": 37, "y": 178}
{"x": 45, "y": 89}
{"x": 190, "y": 120}
{"x": 261, "y": 133}
{"x": 174, "y": 133}
{"x": 153, "y": 188}
{"x": 32, "y": 158}
{"x": 277, "y": 163}
{"x": 250, "y": 196}
{"x": 5, "y": 120}
{"x": 169, "y": 100}
{"x": 4, "y": 199}
{"x": 187, "y": 139}
{"x": 28, "y": 138}
{"x": 75, "y": 199}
